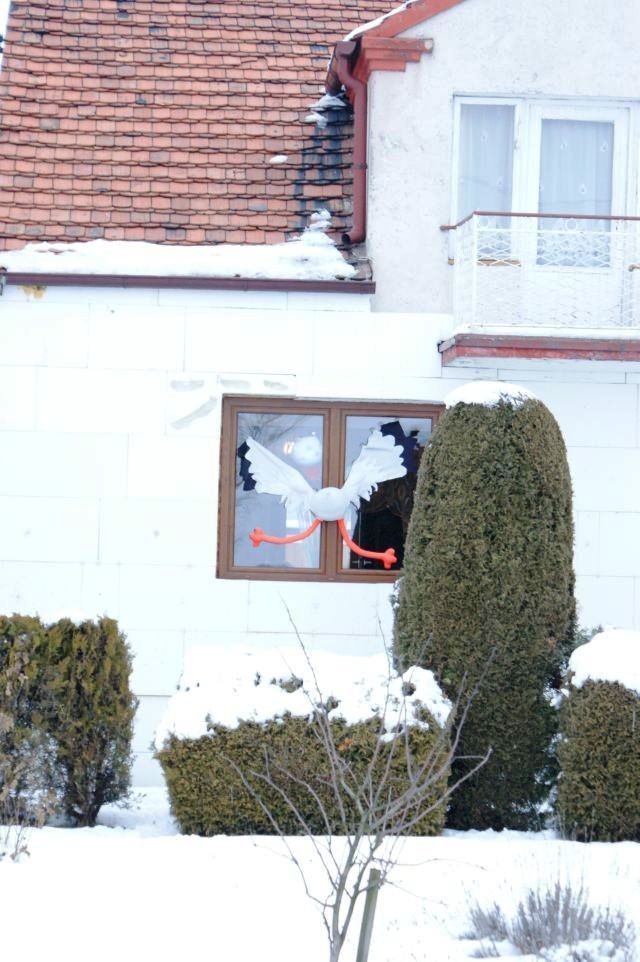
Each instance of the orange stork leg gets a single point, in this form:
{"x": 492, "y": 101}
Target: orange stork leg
{"x": 387, "y": 557}
{"x": 258, "y": 536}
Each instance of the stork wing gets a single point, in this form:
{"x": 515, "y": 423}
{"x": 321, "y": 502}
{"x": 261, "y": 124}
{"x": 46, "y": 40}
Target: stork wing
{"x": 273, "y": 476}
{"x": 379, "y": 460}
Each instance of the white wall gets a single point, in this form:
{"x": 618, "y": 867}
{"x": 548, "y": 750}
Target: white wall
{"x": 109, "y": 447}
{"x": 574, "y": 48}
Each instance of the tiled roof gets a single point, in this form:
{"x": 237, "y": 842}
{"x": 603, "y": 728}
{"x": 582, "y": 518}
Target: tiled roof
{"x": 158, "y": 120}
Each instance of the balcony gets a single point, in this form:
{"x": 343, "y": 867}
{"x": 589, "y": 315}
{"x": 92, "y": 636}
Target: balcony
{"x": 546, "y": 280}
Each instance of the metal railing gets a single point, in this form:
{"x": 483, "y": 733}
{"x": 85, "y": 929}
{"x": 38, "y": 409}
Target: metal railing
{"x": 546, "y": 271}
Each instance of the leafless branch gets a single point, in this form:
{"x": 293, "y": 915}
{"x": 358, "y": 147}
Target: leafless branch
{"x": 368, "y": 810}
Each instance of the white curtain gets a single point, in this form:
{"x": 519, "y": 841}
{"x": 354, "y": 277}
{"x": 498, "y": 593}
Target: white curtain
{"x": 576, "y": 168}
{"x": 576, "y": 165}
{"x": 486, "y": 158}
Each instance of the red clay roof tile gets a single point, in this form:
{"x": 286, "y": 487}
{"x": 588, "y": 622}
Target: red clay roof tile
{"x": 157, "y": 119}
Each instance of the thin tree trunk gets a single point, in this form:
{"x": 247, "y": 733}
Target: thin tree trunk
{"x": 373, "y": 887}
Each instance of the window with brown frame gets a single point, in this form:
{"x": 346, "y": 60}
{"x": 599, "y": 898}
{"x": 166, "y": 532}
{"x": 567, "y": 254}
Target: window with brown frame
{"x": 319, "y": 441}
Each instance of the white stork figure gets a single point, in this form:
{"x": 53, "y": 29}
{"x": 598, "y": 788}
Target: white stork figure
{"x": 379, "y": 460}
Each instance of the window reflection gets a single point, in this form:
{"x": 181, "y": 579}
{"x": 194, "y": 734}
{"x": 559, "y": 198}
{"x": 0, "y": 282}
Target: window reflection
{"x": 296, "y": 439}
{"x": 382, "y": 522}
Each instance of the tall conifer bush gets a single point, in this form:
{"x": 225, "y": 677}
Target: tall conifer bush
{"x": 487, "y": 594}
{"x": 92, "y": 721}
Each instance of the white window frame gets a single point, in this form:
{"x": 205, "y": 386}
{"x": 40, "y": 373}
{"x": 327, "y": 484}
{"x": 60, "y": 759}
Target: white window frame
{"x": 528, "y": 116}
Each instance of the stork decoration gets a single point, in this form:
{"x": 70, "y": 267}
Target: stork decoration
{"x": 379, "y": 460}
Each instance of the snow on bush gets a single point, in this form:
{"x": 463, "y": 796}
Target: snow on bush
{"x": 228, "y": 687}
{"x": 488, "y": 393}
{"x": 612, "y": 655}
{"x": 599, "y": 751}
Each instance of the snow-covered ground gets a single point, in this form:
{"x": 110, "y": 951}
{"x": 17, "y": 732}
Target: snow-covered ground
{"x": 134, "y": 889}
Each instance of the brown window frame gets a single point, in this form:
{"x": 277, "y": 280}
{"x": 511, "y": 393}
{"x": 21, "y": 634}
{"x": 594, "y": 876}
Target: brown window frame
{"x": 336, "y": 414}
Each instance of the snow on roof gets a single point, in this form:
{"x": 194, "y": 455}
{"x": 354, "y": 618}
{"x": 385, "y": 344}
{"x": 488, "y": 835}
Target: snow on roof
{"x": 312, "y": 256}
{"x": 488, "y": 393}
{"x": 611, "y": 655}
{"x": 376, "y": 23}
{"x": 231, "y": 686}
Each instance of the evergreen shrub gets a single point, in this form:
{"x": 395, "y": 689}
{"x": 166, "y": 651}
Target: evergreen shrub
{"x": 208, "y": 796}
{"x": 27, "y": 770}
{"x": 486, "y": 598}
{"x": 92, "y": 722}
{"x": 599, "y": 753}
{"x": 66, "y": 716}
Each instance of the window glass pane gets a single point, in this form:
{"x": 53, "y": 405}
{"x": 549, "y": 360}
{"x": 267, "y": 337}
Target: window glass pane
{"x": 576, "y": 175}
{"x": 297, "y": 440}
{"x": 486, "y": 158}
{"x": 381, "y": 522}
{"x": 576, "y": 167}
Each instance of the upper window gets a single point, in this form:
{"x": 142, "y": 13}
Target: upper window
{"x": 308, "y": 446}
{"x": 551, "y": 157}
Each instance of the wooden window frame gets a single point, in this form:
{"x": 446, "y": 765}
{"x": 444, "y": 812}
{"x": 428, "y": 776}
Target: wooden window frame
{"x": 334, "y": 440}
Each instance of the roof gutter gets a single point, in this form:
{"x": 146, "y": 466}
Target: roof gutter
{"x": 341, "y": 75}
{"x": 43, "y": 279}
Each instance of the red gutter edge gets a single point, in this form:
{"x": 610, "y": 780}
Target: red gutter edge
{"x": 36, "y": 279}
{"x": 341, "y": 75}
{"x": 470, "y": 346}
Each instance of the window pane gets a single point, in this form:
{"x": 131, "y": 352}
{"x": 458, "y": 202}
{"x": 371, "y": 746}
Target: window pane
{"x": 576, "y": 174}
{"x": 576, "y": 167}
{"x": 297, "y": 440}
{"x": 486, "y": 158}
{"x": 381, "y": 522}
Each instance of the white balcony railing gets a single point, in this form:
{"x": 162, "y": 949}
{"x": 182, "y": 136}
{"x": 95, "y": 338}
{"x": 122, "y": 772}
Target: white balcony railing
{"x": 546, "y": 271}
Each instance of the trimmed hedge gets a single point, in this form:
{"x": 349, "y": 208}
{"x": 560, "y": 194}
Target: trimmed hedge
{"x": 208, "y": 796}
{"x": 65, "y": 702}
{"x": 487, "y": 596}
{"x": 599, "y": 753}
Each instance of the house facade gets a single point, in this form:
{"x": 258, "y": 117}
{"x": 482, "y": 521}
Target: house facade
{"x": 132, "y": 375}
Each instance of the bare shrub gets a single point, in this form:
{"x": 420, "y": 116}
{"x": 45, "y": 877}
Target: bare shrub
{"x": 375, "y": 807}
{"x": 556, "y": 924}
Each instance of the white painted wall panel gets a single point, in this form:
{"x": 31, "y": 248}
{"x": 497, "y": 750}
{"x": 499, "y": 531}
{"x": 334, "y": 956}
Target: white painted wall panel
{"x": 587, "y": 542}
{"x": 605, "y": 479}
{"x": 247, "y": 341}
{"x": 49, "y": 529}
{"x": 172, "y": 466}
{"x": 42, "y": 588}
{"x": 63, "y": 465}
{"x": 29, "y": 335}
{"x": 17, "y": 398}
{"x": 620, "y": 544}
{"x": 153, "y": 341}
{"x": 157, "y": 531}
{"x": 157, "y": 661}
{"x": 606, "y": 601}
{"x": 101, "y": 401}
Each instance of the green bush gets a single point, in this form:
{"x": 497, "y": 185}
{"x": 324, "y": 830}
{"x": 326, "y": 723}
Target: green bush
{"x": 66, "y": 715}
{"x": 599, "y": 753}
{"x": 487, "y": 596}
{"x": 208, "y": 796}
{"x": 92, "y": 723}
{"x": 27, "y": 769}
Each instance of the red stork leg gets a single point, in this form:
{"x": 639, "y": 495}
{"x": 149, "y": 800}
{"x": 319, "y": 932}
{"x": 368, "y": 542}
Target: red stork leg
{"x": 387, "y": 557}
{"x": 258, "y": 536}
